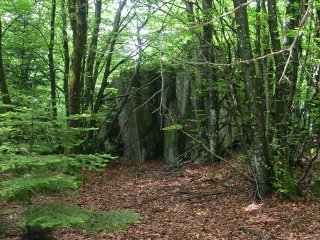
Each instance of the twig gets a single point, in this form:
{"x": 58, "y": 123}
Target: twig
{"x": 308, "y": 168}
{"x": 295, "y": 40}
{"x": 207, "y": 194}
{"x": 246, "y": 176}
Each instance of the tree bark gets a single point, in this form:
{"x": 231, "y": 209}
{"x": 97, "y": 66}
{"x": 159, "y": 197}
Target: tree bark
{"x": 285, "y": 85}
{"x": 114, "y": 37}
{"x": 317, "y": 35}
{"x": 263, "y": 48}
{"x": 51, "y": 59}
{"x": 293, "y": 15}
{"x": 66, "y": 55}
{"x": 3, "y": 83}
{"x": 254, "y": 89}
{"x": 78, "y": 18}
{"x": 275, "y": 37}
{"x": 212, "y": 97}
{"x": 91, "y": 58}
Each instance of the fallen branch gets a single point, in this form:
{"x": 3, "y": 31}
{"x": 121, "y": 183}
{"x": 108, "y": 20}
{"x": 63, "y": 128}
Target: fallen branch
{"x": 256, "y": 232}
{"x": 309, "y": 166}
{"x": 201, "y": 195}
{"x": 245, "y": 175}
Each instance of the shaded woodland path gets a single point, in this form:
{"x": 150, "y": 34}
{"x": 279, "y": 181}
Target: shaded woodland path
{"x": 193, "y": 203}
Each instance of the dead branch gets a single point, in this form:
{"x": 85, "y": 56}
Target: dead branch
{"x": 236, "y": 169}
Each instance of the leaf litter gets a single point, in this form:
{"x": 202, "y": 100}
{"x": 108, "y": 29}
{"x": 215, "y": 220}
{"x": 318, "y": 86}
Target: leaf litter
{"x": 196, "y": 202}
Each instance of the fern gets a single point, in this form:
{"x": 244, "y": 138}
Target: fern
{"x": 60, "y": 215}
{"x": 111, "y": 221}
{"x": 27, "y": 186}
{"x": 22, "y": 162}
{"x": 55, "y": 215}
{"x": 92, "y": 161}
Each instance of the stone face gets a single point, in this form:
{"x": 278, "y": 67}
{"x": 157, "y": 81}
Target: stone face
{"x": 183, "y": 93}
{"x": 171, "y": 116}
{"x": 138, "y": 121}
{"x": 142, "y": 118}
{"x": 225, "y": 133}
{"x": 128, "y": 123}
{"x": 171, "y": 140}
{"x": 129, "y": 133}
{"x": 147, "y": 116}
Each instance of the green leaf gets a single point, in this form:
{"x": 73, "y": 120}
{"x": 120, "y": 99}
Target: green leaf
{"x": 173, "y": 127}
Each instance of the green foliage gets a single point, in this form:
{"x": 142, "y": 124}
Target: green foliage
{"x": 111, "y": 221}
{"x": 18, "y": 6}
{"x": 111, "y": 91}
{"x": 316, "y": 187}
{"x": 55, "y": 215}
{"x": 58, "y": 215}
{"x": 283, "y": 182}
{"x": 290, "y": 185}
{"x": 173, "y": 127}
{"x": 26, "y": 130}
{"x": 30, "y": 175}
{"x": 95, "y": 162}
{"x": 25, "y": 187}
{"x": 27, "y": 176}
{"x": 24, "y": 163}
{"x": 174, "y": 36}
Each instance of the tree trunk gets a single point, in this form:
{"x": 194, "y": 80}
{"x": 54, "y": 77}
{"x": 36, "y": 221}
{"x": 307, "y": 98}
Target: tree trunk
{"x": 262, "y": 39}
{"x": 275, "y": 37}
{"x": 254, "y": 89}
{"x": 212, "y": 97}
{"x": 3, "y": 83}
{"x": 78, "y": 18}
{"x": 285, "y": 87}
{"x": 114, "y": 37}
{"x": 51, "y": 60}
{"x": 66, "y": 55}
{"x": 293, "y": 14}
{"x": 91, "y": 58}
{"x": 317, "y": 35}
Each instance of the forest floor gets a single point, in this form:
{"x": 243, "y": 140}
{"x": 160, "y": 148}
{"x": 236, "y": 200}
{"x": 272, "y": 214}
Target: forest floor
{"x": 195, "y": 202}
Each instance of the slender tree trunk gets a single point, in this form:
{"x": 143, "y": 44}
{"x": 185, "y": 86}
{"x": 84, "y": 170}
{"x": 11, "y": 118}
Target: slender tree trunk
{"x": 78, "y": 18}
{"x": 254, "y": 89}
{"x": 66, "y": 55}
{"x": 317, "y": 35}
{"x": 51, "y": 60}
{"x": 294, "y": 11}
{"x": 264, "y": 64}
{"x": 3, "y": 83}
{"x": 212, "y": 97}
{"x": 282, "y": 88}
{"x": 91, "y": 58}
{"x": 286, "y": 82}
{"x": 114, "y": 37}
{"x": 275, "y": 37}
